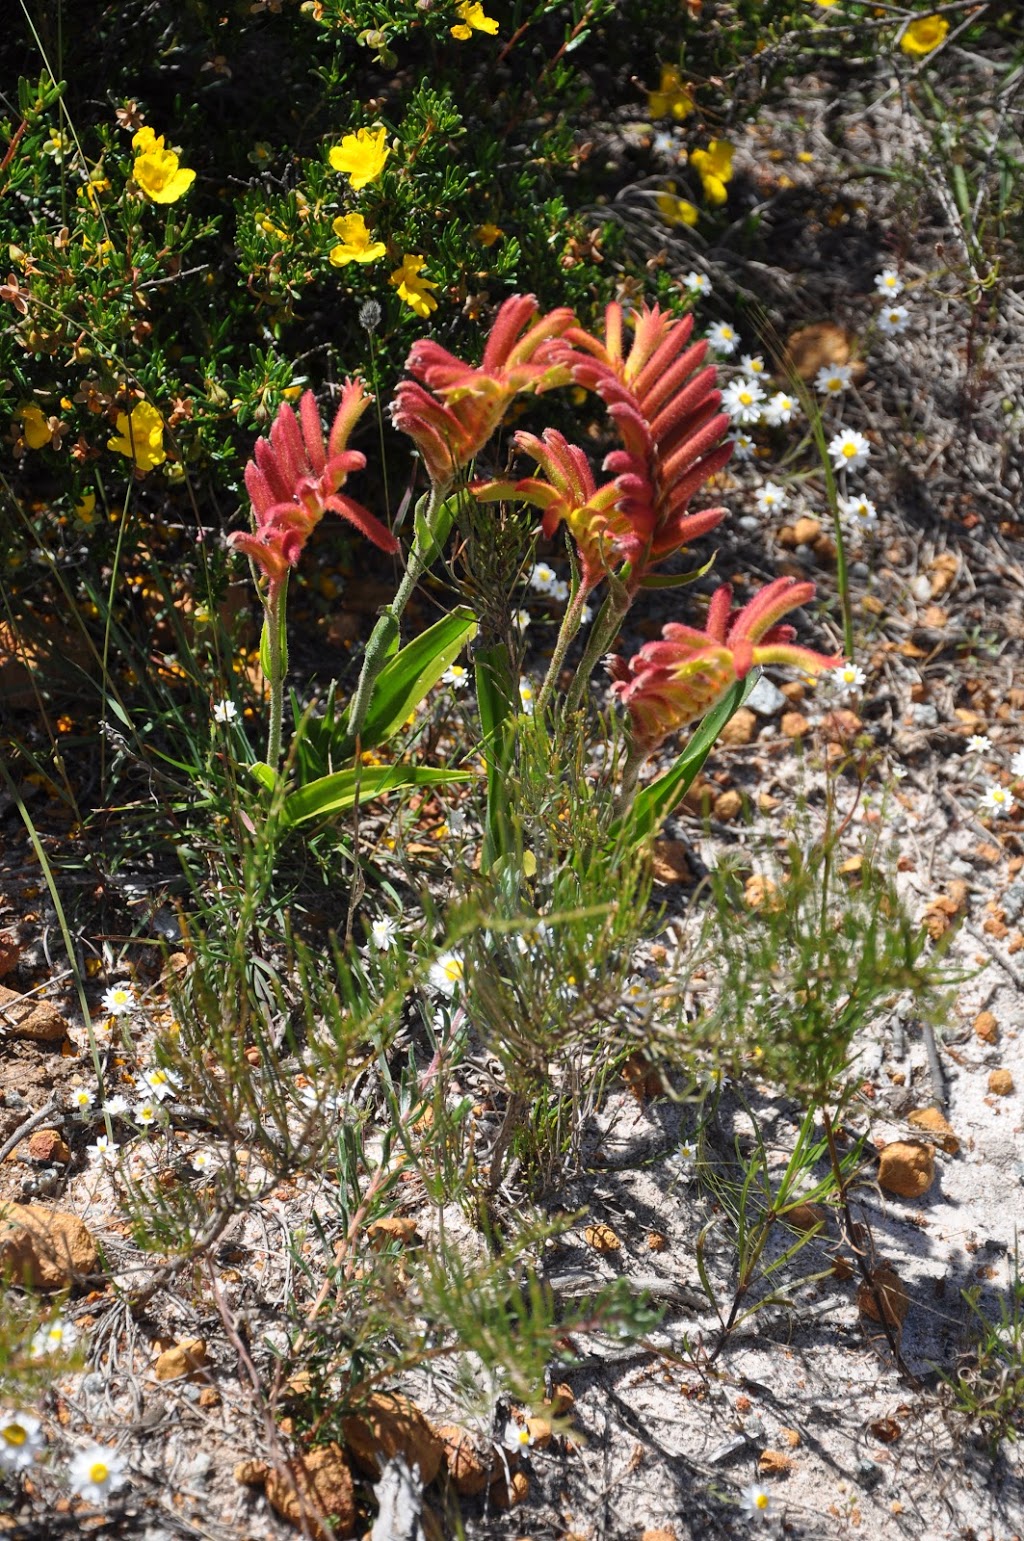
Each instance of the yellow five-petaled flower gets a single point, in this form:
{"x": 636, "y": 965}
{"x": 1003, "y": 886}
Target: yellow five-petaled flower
{"x": 157, "y": 172}
{"x": 140, "y": 437}
{"x": 672, "y": 99}
{"x": 714, "y": 167}
{"x": 412, "y": 288}
{"x": 924, "y": 34}
{"x": 472, "y": 20}
{"x": 355, "y": 243}
{"x": 361, "y": 156}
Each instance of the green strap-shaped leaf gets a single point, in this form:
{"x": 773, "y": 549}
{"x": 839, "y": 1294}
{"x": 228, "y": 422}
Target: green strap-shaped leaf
{"x": 652, "y": 806}
{"x": 405, "y": 679}
{"x": 340, "y": 792}
{"x": 677, "y": 580}
{"x": 497, "y": 695}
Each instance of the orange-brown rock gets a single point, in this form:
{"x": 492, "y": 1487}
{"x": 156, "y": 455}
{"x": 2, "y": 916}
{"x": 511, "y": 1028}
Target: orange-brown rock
{"x": 183, "y": 1358}
{"x": 251, "y": 1473}
{"x": 806, "y": 530}
{"x": 388, "y": 1425}
{"x": 10, "y": 951}
{"x": 1000, "y": 1083}
{"x": 794, "y": 725}
{"x": 775, "y": 1463}
{"x": 740, "y": 728}
{"x": 561, "y": 1401}
{"x": 933, "y": 1122}
{"x": 391, "y": 1228}
{"x": 728, "y": 806}
{"x": 885, "y": 1291}
{"x": 907, "y": 1167}
{"x": 804, "y": 1217}
{"x": 540, "y": 1432}
{"x": 49, "y": 1147}
{"x": 507, "y": 1492}
{"x": 670, "y": 861}
{"x": 658, "y": 1535}
{"x": 316, "y": 1484}
{"x": 29, "y": 1018}
{"x": 602, "y": 1238}
{"x": 656, "y": 1241}
{"x": 791, "y": 1437}
{"x": 470, "y": 1468}
{"x": 45, "y": 1249}
{"x": 818, "y": 345}
{"x": 986, "y": 1027}
{"x": 840, "y": 725}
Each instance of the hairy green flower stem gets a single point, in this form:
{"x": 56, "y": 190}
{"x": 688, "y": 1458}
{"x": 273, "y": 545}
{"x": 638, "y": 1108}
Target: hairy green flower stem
{"x": 384, "y": 633}
{"x": 571, "y": 622}
{"x": 276, "y": 661}
{"x": 606, "y": 626}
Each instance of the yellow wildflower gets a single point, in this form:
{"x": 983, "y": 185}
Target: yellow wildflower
{"x": 355, "y": 244}
{"x": 672, "y": 99}
{"x": 714, "y": 167}
{"x": 924, "y": 34}
{"x": 824, "y": 2}
{"x": 413, "y": 289}
{"x": 36, "y": 428}
{"x": 157, "y": 172}
{"x": 96, "y": 184}
{"x": 141, "y": 437}
{"x": 676, "y": 211}
{"x": 472, "y": 20}
{"x": 85, "y": 511}
{"x": 488, "y": 234}
{"x": 361, "y": 156}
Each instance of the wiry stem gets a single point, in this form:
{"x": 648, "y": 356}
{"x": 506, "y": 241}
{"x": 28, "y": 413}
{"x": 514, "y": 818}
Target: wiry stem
{"x": 275, "y": 622}
{"x": 571, "y": 623}
{"x": 609, "y": 620}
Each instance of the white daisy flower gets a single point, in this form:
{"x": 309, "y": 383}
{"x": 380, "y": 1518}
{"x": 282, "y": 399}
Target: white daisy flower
{"x": 743, "y": 400}
{"x": 833, "y": 379}
{"x": 447, "y": 973}
{"x": 225, "y": 711}
{"x": 723, "y": 338}
{"x": 523, "y": 619}
{"x": 847, "y": 678}
{"x": 743, "y": 446}
{"x": 455, "y": 675}
{"x": 559, "y": 590}
{"x": 771, "y": 498}
{"x": 858, "y": 512}
{"x": 55, "y": 1337}
{"x": 543, "y": 577}
{"x": 116, "y": 1106}
{"x": 897, "y": 772}
{"x": 756, "y": 1501}
{"x": 21, "y": 1440}
{"x": 95, "y": 1473}
{"x": 889, "y": 283}
{"x": 683, "y": 1159}
{"x": 103, "y": 1150}
{"x": 160, "y": 1083}
{"x": 586, "y": 615}
{"x": 516, "y": 1436}
{"x": 383, "y": 931}
{"x": 781, "y": 408}
{"x": 201, "y": 1160}
{"x": 997, "y": 800}
{"x": 664, "y": 144}
{"x": 455, "y": 820}
{"x": 849, "y": 450}
{"x": 527, "y": 696}
{"x": 697, "y": 283}
{"x": 118, "y": 1001}
{"x": 753, "y": 365}
{"x": 893, "y": 319}
{"x": 1017, "y": 763}
{"x": 979, "y": 743}
{"x": 81, "y": 1099}
{"x": 147, "y": 1112}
